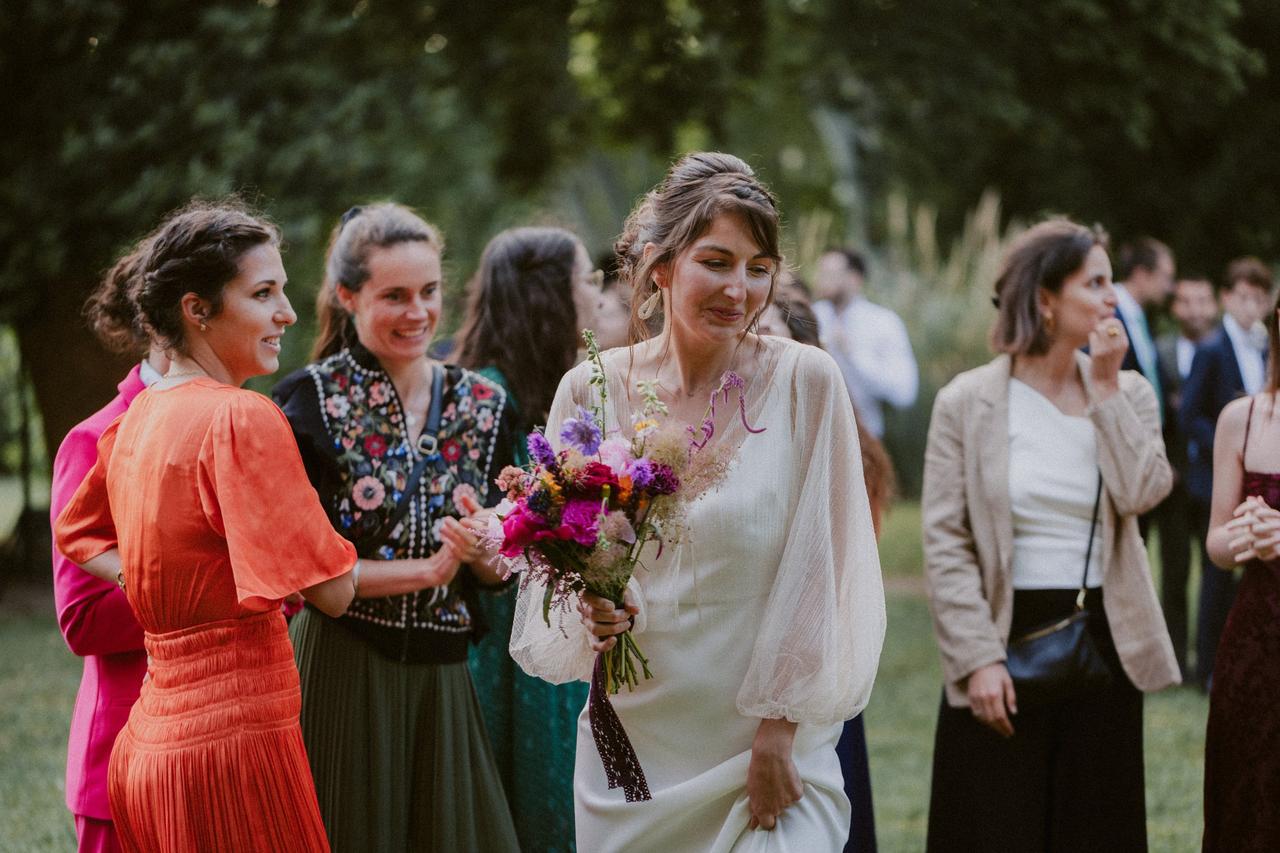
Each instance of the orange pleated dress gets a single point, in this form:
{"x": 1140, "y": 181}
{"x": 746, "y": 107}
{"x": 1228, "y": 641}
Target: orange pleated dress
{"x": 202, "y": 489}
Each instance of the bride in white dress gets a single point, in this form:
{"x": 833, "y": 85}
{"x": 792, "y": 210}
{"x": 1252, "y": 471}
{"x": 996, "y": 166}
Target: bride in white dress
{"x": 763, "y": 628}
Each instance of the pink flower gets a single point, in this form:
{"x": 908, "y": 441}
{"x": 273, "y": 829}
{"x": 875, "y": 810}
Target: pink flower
{"x": 511, "y": 478}
{"x": 378, "y": 393}
{"x": 580, "y": 521}
{"x": 616, "y": 453}
{"x": 368, "y": 493}
{"x": 520, "y": 529}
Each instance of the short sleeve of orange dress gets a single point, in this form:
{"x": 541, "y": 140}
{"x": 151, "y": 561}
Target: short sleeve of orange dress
{"x": 85, "y": 528}
{"x": 255, "y": 493}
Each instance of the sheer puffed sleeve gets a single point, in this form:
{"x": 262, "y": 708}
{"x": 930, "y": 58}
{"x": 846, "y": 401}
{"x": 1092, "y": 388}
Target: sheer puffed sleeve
{"x": 86, "y": 529}
{"x": 559, "y": 652}
{"x": 255, "y": 494}
{"x": 818, "y": 645}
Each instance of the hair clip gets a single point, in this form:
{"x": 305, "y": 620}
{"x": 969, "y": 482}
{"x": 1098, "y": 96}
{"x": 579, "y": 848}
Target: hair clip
{"x": 350, "y": 215}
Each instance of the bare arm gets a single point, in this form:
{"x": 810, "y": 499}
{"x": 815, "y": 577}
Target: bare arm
{"x": 379, "y": 578}
{"x": 106, "y": 566}
{"x": 1228, "y": 478}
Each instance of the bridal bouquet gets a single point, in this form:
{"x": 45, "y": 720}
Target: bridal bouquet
{"x": 578, "y": 520}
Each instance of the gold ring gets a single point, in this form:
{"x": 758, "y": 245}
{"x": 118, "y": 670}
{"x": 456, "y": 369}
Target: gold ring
{"x": 1113, "y": 332}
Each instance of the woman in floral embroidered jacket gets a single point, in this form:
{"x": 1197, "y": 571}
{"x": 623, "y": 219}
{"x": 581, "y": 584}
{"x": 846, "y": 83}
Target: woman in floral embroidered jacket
{"x": 399, "y": 448}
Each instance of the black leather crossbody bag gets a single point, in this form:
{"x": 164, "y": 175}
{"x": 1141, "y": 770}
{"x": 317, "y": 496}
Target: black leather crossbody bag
{"x": 1059, "y": 659}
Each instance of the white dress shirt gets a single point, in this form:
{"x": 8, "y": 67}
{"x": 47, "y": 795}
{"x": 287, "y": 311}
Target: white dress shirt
{"x": 1144, "y": 348}
{"x": 1185, "y": 349}
{"x": 1250, "y": 347}
{"x": 1053, "y": 483}
{"x": 869, "y": 342}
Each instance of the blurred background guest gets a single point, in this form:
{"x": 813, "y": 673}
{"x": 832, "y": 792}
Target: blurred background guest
{"x": 1144, "y": 281}
{"x": 790, "y": 316}
{"x": 94, "y": 614}
{"x": 533, "y": 293}
{"x": 1229, "y": 363}
{"x": 398, "y": 446}
{"x": 869, "y": 342}
{"x": 1010, "y": 541}
{"x": 612, "y": 317}
{"x": 1195, "y": 310}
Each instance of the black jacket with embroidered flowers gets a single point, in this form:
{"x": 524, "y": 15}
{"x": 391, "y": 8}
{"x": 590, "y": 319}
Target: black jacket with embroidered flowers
{"x": 349, "y": 423}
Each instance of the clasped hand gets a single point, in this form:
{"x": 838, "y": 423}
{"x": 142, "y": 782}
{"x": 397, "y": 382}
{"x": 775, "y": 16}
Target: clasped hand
{"x": 1255, "y": 531}
{"x": 604, "y": 620}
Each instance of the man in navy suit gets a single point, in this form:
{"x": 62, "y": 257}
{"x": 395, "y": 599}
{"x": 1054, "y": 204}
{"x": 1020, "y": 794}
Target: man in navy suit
{"x": 1230, "y": 363}
{"x": 1195, "y": 308}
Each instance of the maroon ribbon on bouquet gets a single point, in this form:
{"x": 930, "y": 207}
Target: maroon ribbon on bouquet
{"x": 616, "y": 752}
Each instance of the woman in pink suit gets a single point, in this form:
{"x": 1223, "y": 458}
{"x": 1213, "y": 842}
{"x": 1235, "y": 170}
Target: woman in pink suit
{"x": 93, "y": 614}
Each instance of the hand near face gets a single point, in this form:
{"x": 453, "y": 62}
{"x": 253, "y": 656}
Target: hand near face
{"x": 1107, "y": 347}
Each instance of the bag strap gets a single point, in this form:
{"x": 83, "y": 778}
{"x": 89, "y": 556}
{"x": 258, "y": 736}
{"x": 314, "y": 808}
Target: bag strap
{"x": 1088, "y": 554}
{"x": 428, "y": 447}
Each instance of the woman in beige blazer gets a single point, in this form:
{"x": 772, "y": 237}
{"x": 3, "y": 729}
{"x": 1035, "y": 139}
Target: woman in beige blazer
{"x": 1020, "y": 452}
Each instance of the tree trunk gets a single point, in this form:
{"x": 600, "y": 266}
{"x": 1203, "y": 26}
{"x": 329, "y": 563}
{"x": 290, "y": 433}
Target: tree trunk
{"x": 71, "y": 374}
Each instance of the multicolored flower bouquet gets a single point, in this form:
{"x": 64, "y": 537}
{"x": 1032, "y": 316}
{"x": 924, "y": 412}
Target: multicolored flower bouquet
{"x": 578, "y": 520}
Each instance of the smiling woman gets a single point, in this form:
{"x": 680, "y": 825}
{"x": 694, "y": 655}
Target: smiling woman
{"x": 768, "y": 616}
{"x": 399, "y": 447}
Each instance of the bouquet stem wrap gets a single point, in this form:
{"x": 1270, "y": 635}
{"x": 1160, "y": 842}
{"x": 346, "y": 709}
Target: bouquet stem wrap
{"x": 621, "y": 767}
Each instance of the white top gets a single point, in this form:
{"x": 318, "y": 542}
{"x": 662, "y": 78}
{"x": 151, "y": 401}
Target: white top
{"x": 1185, "y": 349}
{"x": 773, "y": 607}
{"x": 1053, "y": 480}
{"x": 1250, "y": 348}
{"x": 870, "y": 344}
{"x": 1144, "y": 348}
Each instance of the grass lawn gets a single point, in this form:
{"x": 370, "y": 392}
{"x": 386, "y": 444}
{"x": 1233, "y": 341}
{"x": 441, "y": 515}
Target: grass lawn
{"x": 38, "y": 680}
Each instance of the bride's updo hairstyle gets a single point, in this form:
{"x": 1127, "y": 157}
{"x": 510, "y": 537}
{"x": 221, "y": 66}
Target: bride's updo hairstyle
{"x": 196, "y": 250}
{"x": 679, "y": 210}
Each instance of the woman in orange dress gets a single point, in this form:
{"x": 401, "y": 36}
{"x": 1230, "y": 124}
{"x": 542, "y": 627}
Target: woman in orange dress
{"x": 199, "y": 506}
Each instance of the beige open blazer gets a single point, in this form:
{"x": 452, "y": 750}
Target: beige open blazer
{"x": 968, "y": 525}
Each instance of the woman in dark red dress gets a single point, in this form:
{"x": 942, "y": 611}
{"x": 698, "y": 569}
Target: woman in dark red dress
{"x": 1242, "y": 748}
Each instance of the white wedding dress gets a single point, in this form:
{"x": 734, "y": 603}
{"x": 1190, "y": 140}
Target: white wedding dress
{"x": 773, "y": 607}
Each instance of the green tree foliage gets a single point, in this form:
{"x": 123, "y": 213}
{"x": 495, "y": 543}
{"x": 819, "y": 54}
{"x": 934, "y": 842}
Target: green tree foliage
{"x": 1151, "y": 116}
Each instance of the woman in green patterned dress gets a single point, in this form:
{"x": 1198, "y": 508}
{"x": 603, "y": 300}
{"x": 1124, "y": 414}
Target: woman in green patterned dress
{"x": 535, "y": 290}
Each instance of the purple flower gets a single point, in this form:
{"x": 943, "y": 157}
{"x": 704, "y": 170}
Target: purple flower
{"x": 540, "y": 450}
{"x": 665, "y": 481}
{"x": 641, "y": 473}
{"x": 582, "y": 432}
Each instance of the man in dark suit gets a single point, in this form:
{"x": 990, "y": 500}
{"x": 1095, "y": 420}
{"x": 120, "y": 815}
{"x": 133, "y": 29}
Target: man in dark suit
{"x": 1230, "y": 363}
{"x": 1144, "y": 280}
{"x": 1196, "y": 311}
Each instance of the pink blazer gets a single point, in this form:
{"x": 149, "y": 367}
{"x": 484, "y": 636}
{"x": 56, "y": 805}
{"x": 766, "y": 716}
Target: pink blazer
{"x": 98, "y": 625}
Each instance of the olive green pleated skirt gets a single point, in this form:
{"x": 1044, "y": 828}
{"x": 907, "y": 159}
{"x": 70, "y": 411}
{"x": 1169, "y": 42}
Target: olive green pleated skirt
{"x": 398, "y": 751}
